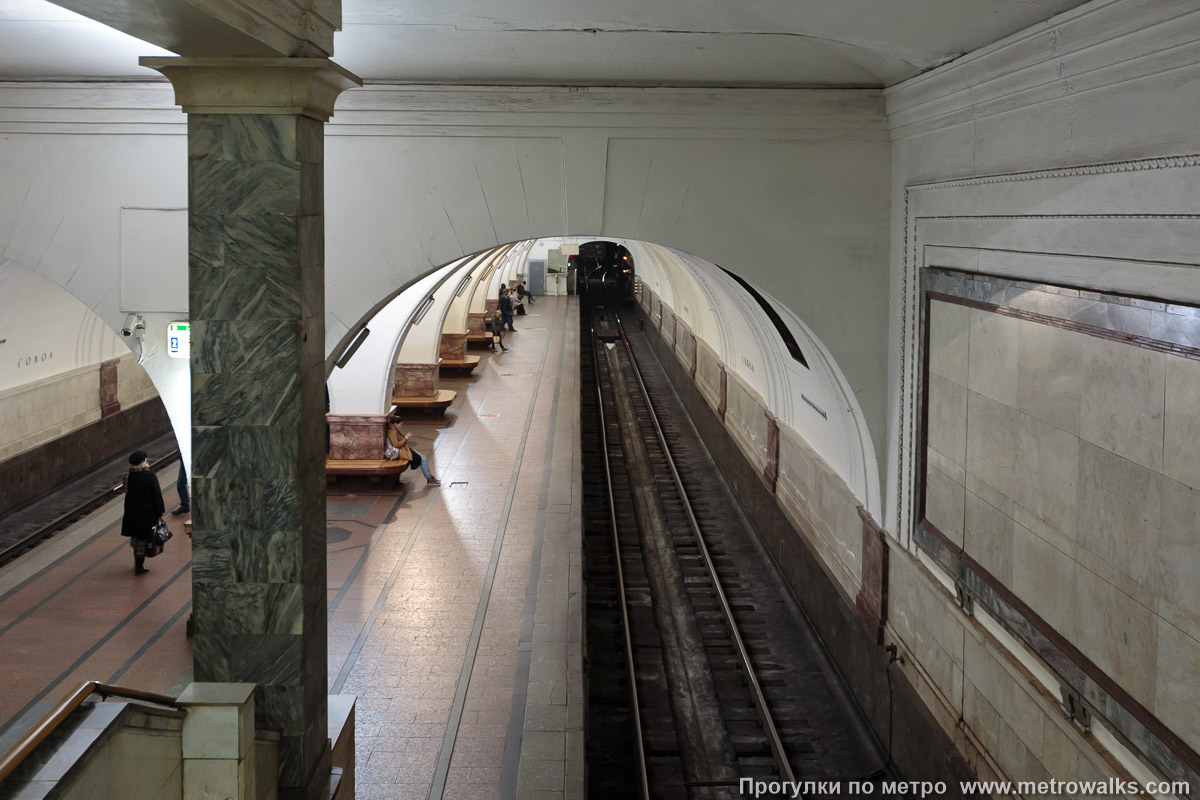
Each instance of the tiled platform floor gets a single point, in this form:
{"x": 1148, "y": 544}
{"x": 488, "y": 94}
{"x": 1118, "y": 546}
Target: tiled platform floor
{"x": 454, "y": 613}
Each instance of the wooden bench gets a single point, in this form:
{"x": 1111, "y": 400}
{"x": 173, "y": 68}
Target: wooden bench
{"x": 374, "y": 470}
{"x": 436, "y": 404}
{"x": 464, "y": 367}
{"x": 479, "y": 339}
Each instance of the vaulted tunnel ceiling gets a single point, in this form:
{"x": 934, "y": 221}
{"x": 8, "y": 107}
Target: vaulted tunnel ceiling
{"x": 762, "y": 43}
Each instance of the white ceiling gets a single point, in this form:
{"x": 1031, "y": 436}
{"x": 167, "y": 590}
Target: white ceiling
{"x": 769, "y": 43}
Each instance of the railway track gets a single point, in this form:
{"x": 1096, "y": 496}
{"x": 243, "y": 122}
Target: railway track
{"x": 28, "y": 526}
{"x": 701, "y": 669}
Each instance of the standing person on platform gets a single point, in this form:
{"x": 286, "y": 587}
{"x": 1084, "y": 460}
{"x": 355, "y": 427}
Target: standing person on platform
{"x": 506, "y": 308}
{"x": 185, "y": 503}
{"x": 399, "y": 449}
{"x": 498, "y": 331}
{"x": 144, "y": 507}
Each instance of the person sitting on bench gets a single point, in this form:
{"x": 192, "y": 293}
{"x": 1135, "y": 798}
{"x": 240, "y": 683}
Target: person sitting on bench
{"x": 522, "y": 293}
{"x": 398, "y": 449}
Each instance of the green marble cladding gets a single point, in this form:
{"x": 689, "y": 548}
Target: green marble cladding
{"x": 247, "y": 345}
{"x": 251, "y": 188}
{"x": 264, "y": 241}
{"x": 256, "y": 291}
{"x": 245, "y": 399}
{"x": 247, "y": 293}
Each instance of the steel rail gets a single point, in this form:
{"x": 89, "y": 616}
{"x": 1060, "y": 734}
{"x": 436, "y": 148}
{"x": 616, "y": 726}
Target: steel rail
{"x": 773, "y": 738}
{"x": 16, "y": 754}
{"x": 635, "y": 706}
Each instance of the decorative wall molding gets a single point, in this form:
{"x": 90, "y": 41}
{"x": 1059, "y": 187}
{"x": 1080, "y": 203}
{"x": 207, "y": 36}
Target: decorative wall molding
{"x": 990, "y": 198}
{"x": 1113, "y": 168}
{"x": 1094, "y": 46}
{"x": 1136, "y": 321}
{"x": 400, "y": 110}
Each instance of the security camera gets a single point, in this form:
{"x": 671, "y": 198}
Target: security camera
{"x": 134, "y": 326}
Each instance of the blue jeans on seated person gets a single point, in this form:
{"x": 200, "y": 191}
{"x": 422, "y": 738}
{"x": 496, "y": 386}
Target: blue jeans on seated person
{"x": 424, "y": 463}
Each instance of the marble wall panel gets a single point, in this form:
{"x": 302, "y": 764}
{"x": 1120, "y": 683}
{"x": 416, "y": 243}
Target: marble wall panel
{"x": 236, "y": 399}
{"x": 1050, "y": 374}
{"x": 929, "y": 629}
{"x": 1120, "y": 510}
{"x": 1075, "y": 449}
{"x": 1013, "y": 706}
{"x": 992, "y": 367}
{"x": 822, "y": 509}
{"x": 256, "y": 292}
{"x": 1178, "y": 557}
{"x": 35, "y": 414}
{"x": 245, "y": 346}
{"x": 359, "y": 436}
{"x": 264, "y": 241}
{"x": 708, "y": 375}
{"x": 745, "y": 419}
{"x": 108, "y": 388}
{"x": 1044, "y": 577}
{"x": 988, "y": 534}
{"x": 453, "y": 346}
{"x": 945, "y": 504}
{"x": 949, "y": 331}
{"x": 476, "y": 323}
{"x": 1124, "y": 391}
{"x": 146, "y": 764}
{"x": 1117, "y": 633}
{"x": 798, "y": 470}
{"x": 685, "y": 347}
{"x": 947, "y": 431}
{"x": 416, "y": 380}
{"x": 1047, "y": 473}
{"x": 992, "y": 438}
{"x": 1176, "y": 691}
{"x": 133, "y": 383}
{"x": 1181, "y": 455}
{"x": 838, "y": 510}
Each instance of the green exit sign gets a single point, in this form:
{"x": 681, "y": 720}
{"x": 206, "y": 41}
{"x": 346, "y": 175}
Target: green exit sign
{"x": 179, "y": 339}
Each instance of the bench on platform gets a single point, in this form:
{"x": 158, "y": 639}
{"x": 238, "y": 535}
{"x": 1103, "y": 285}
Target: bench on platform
{"x": 436, "y": 404}
{"x": 465, "y": 365}
{"x": 479, "y": 339}
{"x": 372, "y": 469}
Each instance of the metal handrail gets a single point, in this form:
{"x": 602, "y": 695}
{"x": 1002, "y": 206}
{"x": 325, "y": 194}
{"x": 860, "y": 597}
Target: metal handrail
{"x": 772, "y": 732}
{"x": 16, "y": 754}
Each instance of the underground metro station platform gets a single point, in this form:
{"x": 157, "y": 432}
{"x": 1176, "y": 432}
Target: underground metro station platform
{"x": 632, "y": 400}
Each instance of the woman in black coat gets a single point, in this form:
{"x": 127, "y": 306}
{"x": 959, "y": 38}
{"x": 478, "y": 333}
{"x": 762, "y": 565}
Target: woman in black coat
{"x": 144, "y": 507}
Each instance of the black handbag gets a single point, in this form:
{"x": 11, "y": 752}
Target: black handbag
{"x": 162, "y": 534}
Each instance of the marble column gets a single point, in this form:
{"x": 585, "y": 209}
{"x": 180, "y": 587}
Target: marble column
{"x": 256, "y": 296}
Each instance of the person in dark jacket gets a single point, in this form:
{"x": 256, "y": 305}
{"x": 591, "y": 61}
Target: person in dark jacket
{"x": 506, "y": 308}
{"x": 498, "y": 331}
{"x": 144, "y": 507}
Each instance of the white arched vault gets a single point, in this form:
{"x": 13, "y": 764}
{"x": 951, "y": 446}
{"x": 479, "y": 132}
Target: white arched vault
{"x": 364, "y": 384}
{"x": 422, "y": 336}
{"x": 814, "y": 399}
{"x": 792, "y": 196}
{"x": 728, "y": 319}
{"x": 468, "y": 286}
